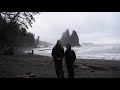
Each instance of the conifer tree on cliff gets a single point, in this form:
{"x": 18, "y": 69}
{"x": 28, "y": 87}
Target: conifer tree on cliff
{"x": 13, "y": 22}
{"x": 22, "y": 18}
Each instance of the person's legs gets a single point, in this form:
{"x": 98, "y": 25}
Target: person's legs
{"x": 70, "y": 71}
{"x": 57, "y": 68}
{"x": 61, "y": 69}
{"x": 58, "y": 73}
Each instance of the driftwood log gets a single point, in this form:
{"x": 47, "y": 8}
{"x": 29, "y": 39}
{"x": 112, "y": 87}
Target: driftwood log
{"x": 28, "y": 75}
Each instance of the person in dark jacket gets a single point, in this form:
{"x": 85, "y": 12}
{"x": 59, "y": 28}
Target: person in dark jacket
{"x": 58, "y": 54}
{"x": 70, "y": 57}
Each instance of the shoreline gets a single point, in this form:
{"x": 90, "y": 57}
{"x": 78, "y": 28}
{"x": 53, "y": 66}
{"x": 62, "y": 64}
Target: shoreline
{"x": 43, "y": 66}
{"x": 78, "y": 57}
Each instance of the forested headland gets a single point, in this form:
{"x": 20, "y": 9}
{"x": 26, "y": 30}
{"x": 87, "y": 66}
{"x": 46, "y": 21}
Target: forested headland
{"x": 13, "y": 30}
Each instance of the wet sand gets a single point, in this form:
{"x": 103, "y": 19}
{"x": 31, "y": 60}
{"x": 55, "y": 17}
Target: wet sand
{"x": 43, "y": 67}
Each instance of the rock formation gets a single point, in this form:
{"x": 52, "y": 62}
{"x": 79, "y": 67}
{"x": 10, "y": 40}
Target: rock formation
{"x": 74, "y": 39}
{"x": 67, "y": 39}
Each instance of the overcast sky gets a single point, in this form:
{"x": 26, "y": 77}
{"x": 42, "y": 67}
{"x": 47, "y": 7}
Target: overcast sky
{"x": 94, "y": 27}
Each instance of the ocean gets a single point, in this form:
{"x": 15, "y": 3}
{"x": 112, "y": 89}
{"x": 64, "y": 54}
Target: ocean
{"x": 99, "y": 51}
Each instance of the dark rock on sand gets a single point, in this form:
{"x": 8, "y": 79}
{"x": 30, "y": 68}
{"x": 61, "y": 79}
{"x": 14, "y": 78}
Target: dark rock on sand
{"x": 96, "y": 68}
{"x": 115, "y": 68}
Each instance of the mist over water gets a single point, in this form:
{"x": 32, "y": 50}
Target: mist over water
{"x": 101, "y": 28}
{"x": 94, "y": 27}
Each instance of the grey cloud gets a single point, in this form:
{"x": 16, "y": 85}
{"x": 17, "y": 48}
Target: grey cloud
{"x": 90, "y": 26}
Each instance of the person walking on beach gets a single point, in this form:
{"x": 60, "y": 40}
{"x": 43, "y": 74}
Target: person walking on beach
{"x": 70, "y": 57}
{"x": 58, "y": 54}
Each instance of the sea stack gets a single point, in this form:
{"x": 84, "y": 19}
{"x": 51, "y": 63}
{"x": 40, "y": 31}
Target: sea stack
{"x": 65, "y": 37}
{"x": 72, "y": 39}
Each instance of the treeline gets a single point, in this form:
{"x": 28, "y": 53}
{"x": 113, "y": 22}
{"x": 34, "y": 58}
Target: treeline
{"x": 13, "y": 34}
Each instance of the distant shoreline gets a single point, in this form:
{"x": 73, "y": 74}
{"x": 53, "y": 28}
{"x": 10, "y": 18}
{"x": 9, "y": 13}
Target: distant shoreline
{"x": 110, "y": 52}
{"x": 86, "y": 57}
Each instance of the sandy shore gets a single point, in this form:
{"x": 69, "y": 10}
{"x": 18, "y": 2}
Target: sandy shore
{"x": 43, "y": 66}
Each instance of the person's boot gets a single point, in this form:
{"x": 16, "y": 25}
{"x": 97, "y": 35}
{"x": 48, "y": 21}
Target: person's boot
{"x": 58, "y": 74}
{"x": 62, "y": 74}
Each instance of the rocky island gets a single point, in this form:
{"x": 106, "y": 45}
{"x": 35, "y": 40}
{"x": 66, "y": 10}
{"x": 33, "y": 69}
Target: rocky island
{"x": 72, "y": 39}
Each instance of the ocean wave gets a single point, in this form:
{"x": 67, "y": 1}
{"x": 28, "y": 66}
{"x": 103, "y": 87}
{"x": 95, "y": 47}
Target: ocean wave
{"x": 111, "y": 52}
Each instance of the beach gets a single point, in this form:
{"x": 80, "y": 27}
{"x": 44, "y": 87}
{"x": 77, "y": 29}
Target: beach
{"x": 43, "y": 67}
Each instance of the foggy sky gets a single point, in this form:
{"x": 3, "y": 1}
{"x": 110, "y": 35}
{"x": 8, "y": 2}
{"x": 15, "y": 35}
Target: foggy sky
{"x": 94, "y": 27}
